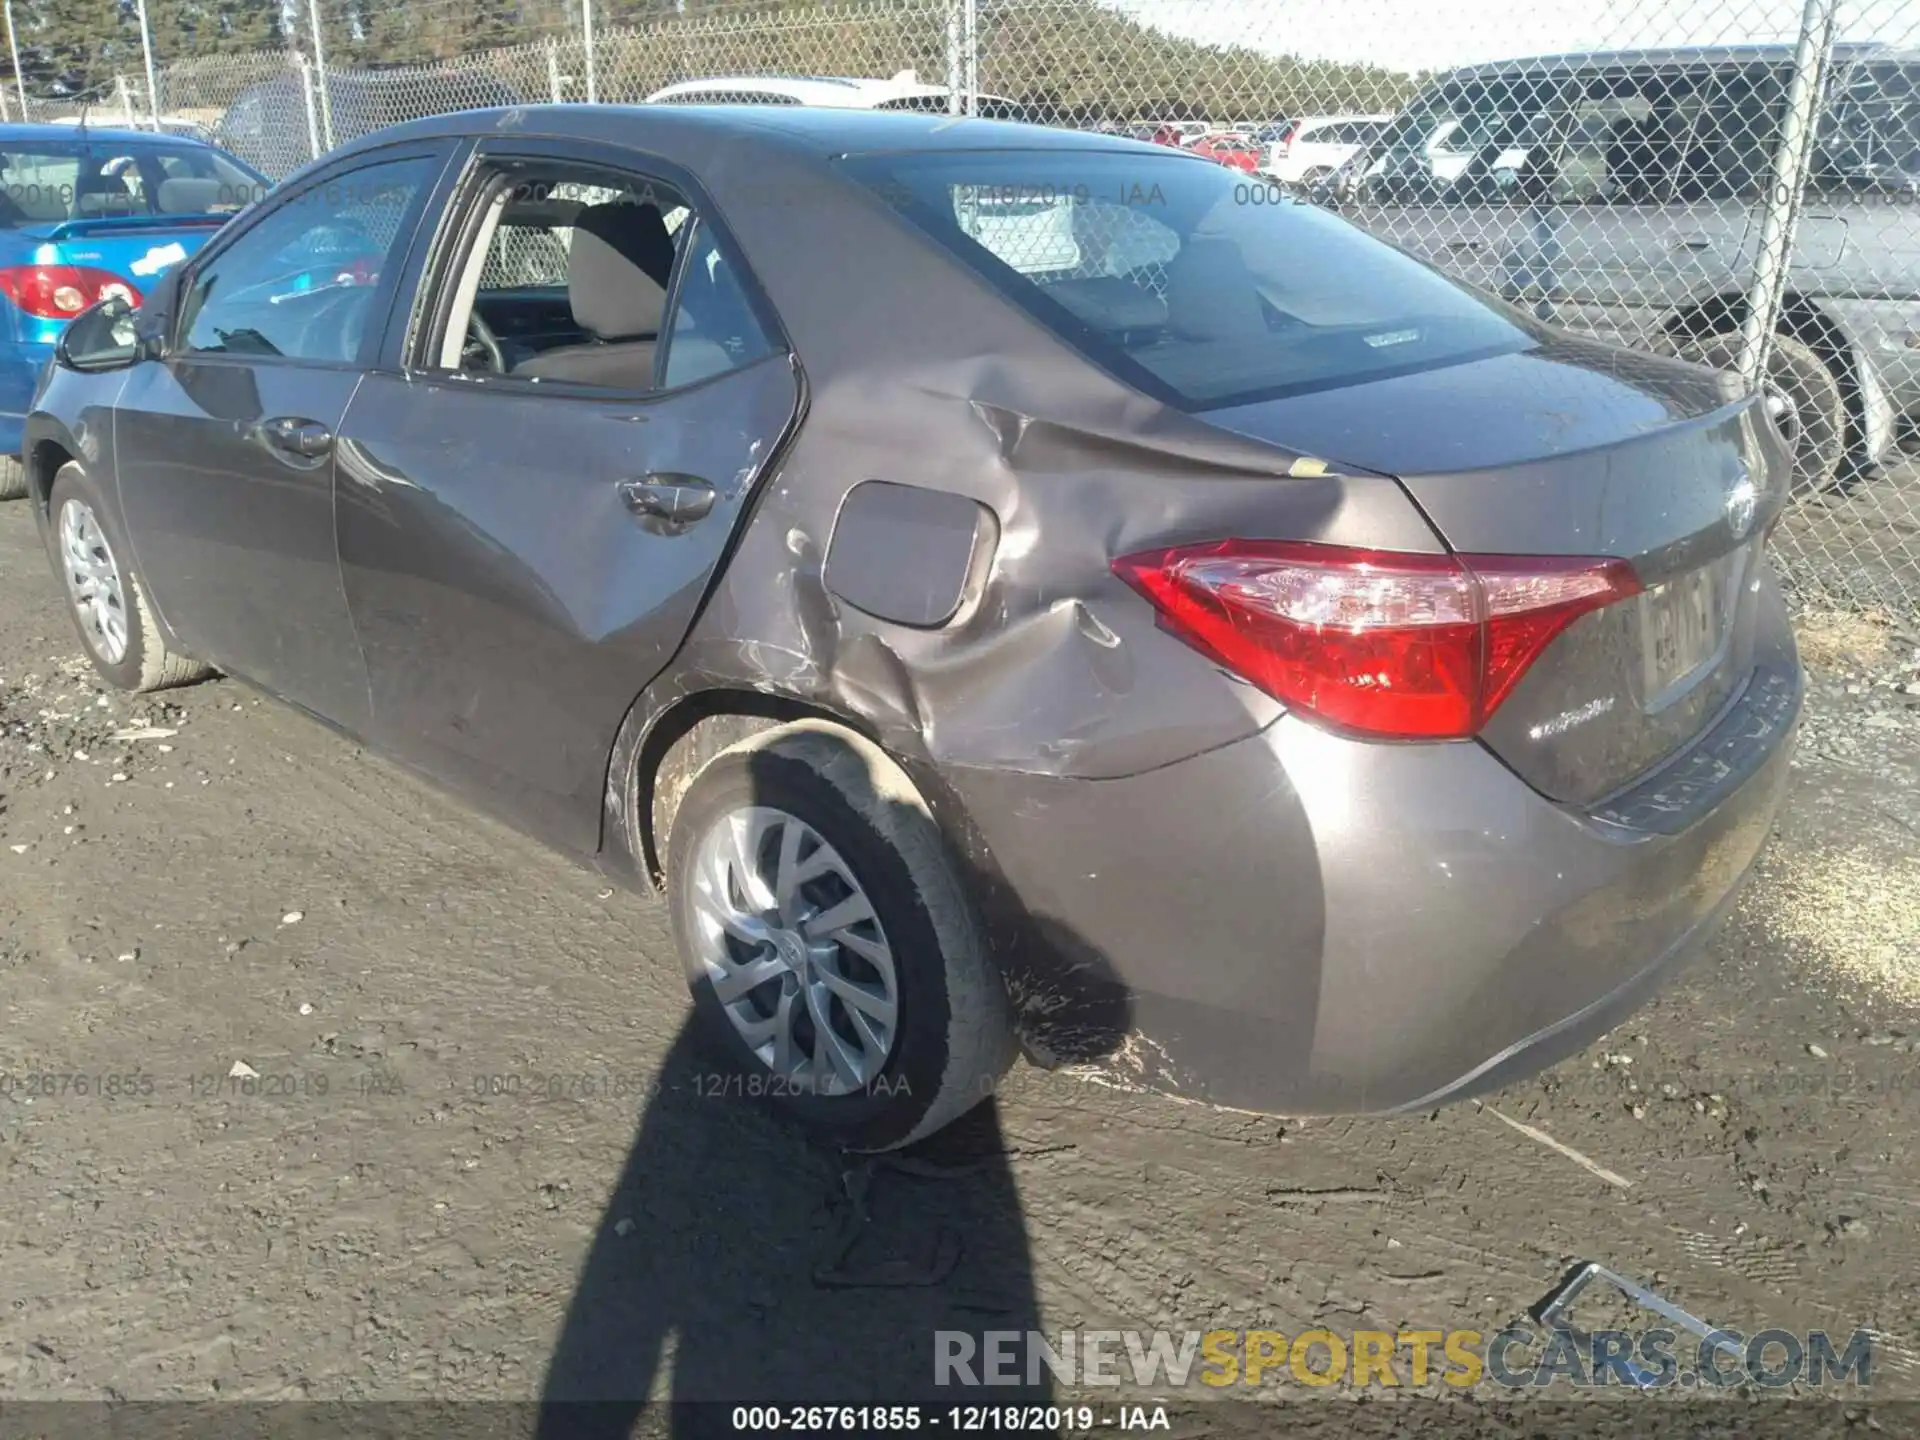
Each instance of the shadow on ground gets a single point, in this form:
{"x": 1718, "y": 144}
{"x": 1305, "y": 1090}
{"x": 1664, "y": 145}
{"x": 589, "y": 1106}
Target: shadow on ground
{"x": 738, "y": 1263}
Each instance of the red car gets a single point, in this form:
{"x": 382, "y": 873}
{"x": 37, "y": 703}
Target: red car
{"x": 1229, "y": 148}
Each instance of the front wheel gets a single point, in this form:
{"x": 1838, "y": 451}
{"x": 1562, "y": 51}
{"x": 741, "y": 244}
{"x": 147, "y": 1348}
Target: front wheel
{"x": 835, "y": 956}
{"x": 1804, "y": 398}
{"x": 104, "y": 594}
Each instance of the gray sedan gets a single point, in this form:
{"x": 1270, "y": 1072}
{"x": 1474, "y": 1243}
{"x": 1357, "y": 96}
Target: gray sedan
{"x": 1012, "y": 589}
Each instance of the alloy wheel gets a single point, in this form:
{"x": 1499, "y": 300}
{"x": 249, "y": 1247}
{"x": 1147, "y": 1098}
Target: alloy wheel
{"x": 789, "y": 940}
{"x": 94, "y": 583}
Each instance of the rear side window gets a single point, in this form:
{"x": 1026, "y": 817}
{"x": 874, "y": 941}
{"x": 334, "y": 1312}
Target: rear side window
{"x": 713, "y": 328}
{"x": 1872, "y": 133}
{"x": 50, "y": 183}
{"x": 1185, "y": 279}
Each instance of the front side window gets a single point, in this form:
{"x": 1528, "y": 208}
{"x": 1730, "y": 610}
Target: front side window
{"x": 1474, "y": 141}
{"x": 301, "y": 283}
{"x": 1186, "y": 279}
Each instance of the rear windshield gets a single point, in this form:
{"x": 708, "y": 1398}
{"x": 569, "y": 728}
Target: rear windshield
{"x": 1192, "y": 281}
{"x": 49, "y": 182}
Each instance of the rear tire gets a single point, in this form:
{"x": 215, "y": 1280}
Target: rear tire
{"x": 1815, "y": 424}
{"x": 866, "y": 842}
{"x": 104, "y": 592}
{"x": 13, "y": 478}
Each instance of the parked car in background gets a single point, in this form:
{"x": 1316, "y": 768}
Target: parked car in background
{"x": 1307, "y": 151}
{"x": 1623, "y": 192}
{"x": 269, "y": 125}
{"x": 87, "y": 213}
{"x": 903, "y": 91}
{"x": 1229, "y": 639}
{"x": 169, "y": 125}
{"x": 1176, "y": 132}
{"x": 1229, "y": 148}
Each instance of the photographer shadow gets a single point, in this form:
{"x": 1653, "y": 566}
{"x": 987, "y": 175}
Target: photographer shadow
{"x": 739, "y": 1263}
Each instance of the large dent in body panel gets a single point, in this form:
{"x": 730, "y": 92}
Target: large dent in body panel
{"x": 919, "y": 373}
{"x": 1052, "y": 666}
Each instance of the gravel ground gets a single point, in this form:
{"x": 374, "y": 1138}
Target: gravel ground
{"x": 202, "y": 884}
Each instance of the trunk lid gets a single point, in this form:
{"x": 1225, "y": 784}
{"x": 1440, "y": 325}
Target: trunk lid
{"x": 137, "y": 248}
{"x": 1575, "y": 448}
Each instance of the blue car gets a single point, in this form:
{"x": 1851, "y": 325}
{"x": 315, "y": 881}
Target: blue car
{"x": 86, "y": 214}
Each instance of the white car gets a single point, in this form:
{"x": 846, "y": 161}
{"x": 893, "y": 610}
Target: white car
{"x": 1312, "y": 148}
{"x": 903, "y": 91}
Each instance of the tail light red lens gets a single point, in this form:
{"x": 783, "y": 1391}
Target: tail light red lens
{"x": 1376, "y": 643}
{"x": 60, "y": 292}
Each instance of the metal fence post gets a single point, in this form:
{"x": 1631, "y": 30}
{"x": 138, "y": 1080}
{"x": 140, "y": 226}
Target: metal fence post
{"x": 313, "y": 117}
{"x": 956, "y": 67}
{"x": 19, "y": 78}
{"x": 553, "y": 69}
{"x": 320, "y": 77}
{"x": 125, "y": 92}
{"x": 146, "y": 51}
{"x": 1781, "y": 214}
{"x": 971, "y": 53}
{"x": 593, "y": 78}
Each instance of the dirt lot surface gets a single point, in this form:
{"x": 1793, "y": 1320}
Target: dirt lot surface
{"x": 479, "y": 1162}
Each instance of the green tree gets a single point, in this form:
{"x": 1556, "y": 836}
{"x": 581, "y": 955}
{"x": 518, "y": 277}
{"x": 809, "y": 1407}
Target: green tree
{"x": 81, "y": 42}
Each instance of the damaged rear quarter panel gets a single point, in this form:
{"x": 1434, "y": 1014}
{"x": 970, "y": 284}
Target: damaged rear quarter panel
{"x": 919, "y": 373}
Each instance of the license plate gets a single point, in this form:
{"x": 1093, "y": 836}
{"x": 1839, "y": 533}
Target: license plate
{"x": 1684, "y": 622}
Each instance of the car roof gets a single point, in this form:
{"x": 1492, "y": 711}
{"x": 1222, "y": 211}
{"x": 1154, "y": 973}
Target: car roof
{"x": 18, "y": 130}
{"x": 822, "y": 132}
{"x": 1670, "y": 57}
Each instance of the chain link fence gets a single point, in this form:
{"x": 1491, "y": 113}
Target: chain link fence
{"x": 1733, "y": 181}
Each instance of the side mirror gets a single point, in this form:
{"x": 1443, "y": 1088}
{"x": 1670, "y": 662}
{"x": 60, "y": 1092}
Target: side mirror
{"x": 101, "y": 338}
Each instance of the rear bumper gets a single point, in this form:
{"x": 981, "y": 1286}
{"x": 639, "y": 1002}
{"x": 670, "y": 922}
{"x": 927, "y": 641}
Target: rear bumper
{"x": 1306, "y": 924}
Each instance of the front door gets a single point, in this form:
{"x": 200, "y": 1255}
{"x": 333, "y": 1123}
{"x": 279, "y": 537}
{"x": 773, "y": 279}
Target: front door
{"x": 226, "y": 446}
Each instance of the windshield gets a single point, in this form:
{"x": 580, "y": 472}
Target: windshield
{"x": 51, "y": 182}
{"x": 1186, "y": 278}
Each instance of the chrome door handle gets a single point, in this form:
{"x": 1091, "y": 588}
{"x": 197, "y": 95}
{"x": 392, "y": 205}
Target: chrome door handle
{"x": 308, "y": 439}
{"x": 675, "y": 500}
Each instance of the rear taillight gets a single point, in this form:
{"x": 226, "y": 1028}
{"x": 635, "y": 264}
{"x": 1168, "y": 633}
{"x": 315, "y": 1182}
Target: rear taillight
{"x": 1284, "y": 146}
{"x": 1373, "y": 642}
{"x": 60, "y": 292}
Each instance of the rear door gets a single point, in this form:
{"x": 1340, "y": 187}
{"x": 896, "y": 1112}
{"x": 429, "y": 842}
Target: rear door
{"x": 522, "y": 556}
{"x": 226, "y": 446}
